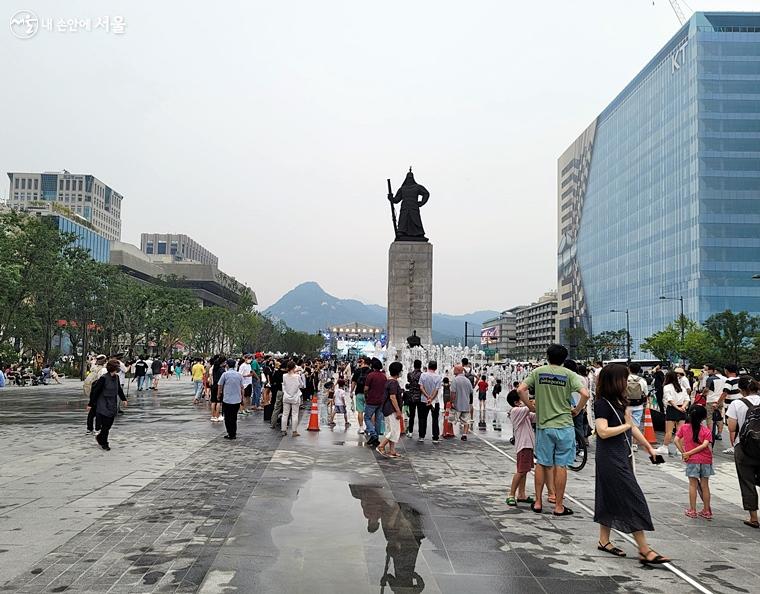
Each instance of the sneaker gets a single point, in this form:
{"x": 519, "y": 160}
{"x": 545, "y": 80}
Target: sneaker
{"x": 635, "y": 447}
{"x": 435, "y": 440}
{"x": 283, "y": 433}
{"x": 361, "y": 432}
{"x": 88, "y": 432}
{"x": 706, "y": 514}
{"x": 691, "y": 513}
{"x": 464, "y": 438}
{"x": 296, "y": 434}
{"x": 409, "y": 434}
{"x": 420, "y": 439}
{"x": 662, "y": 450}
{"x": 728, "y": 451}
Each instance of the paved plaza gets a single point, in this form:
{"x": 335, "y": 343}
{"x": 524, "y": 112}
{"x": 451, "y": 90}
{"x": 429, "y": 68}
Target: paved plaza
{"x": 173, "y": 507}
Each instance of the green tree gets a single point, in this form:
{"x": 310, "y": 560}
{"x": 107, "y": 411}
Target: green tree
{"x": 732, "y": 335}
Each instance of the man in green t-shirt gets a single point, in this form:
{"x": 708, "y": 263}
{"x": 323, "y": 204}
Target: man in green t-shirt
{"x": 553, "y": 385}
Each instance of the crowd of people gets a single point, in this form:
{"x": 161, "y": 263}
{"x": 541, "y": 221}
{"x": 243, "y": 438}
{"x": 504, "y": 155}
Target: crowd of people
{"x": 551, "y": 409}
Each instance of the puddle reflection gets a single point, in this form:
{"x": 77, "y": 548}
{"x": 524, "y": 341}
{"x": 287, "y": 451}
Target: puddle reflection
{"x": 402, "y": 527}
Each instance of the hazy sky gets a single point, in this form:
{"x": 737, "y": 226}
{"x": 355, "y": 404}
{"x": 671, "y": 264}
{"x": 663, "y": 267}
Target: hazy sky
{"x": 266, "y": 130}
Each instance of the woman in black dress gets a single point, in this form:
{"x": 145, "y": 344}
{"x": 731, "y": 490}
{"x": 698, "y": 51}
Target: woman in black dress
{"x": 620, "y": 503}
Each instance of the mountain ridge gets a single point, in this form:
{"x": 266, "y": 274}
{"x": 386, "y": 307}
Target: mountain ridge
{"x": 309, "y": 308}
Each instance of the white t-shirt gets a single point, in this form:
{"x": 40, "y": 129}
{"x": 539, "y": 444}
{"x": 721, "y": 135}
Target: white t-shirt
{"x": 673, "y": 398}
{"x": 340, "y": 397}
{"x": 291, "y": 388}
{"x": 738, "y": 410}
{"x": 718, "y": 383}
{"x": 245, "y": 370}
{"x": 685, "y": 386}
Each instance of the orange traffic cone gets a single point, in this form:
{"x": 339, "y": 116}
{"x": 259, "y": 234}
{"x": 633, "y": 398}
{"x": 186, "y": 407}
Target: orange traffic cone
{"x": 448, "y": 428}
{"x": 649, "y": 434}
{"x": 314, "y": 418}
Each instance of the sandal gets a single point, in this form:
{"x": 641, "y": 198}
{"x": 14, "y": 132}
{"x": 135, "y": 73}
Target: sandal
{"x": 752, "y": 524}
{"x": 565, "y": 512}
{"x": 528, "y": 499}
{"x": 536, "y": 510}
{"x": 551, "y": 498}
{"x": 656, "y": 560}
{"x": 381, "y": 452}
{"x": 511, "y": 501}
{"x": 612, "y": 551}
{"x": 691, "y": 513}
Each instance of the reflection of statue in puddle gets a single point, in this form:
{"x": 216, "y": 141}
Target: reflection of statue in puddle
{"x": 402, "y": 528}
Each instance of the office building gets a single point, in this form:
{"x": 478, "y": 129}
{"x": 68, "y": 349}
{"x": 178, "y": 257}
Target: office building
{"x": 535, "y": 328}
{"x": 210, "y": 285}
{"x": 83, "y": 194}
{"x": 176, "y": 248}
{"x": 660, "y": 195}
{"x": 66, "y": 221}
{"x": 500, "y": 334}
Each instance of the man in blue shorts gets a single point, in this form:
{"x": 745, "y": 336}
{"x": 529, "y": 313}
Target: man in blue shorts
{"x": 555, "y": 431}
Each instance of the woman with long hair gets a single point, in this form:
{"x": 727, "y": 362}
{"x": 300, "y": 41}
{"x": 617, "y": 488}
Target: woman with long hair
{"x": 620, "y": 503}
{"x": 676, "y": 402}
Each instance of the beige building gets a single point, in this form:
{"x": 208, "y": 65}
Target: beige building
{"x": 500, "y": 333}
{"x": 535, "y": 327}
{"x": 176, "y": 247}
{"x": 82, "y": 194}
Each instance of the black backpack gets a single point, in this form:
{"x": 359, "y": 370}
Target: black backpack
{"x": 749, "y": 434}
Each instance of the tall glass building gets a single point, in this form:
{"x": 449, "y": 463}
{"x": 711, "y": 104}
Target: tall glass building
{"x": 660, "y": 195}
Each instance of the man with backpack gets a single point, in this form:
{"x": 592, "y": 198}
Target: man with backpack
{"x": 744, "y": 432}
{"x": 413, "y": 394}
{"x": 637, "y": 394}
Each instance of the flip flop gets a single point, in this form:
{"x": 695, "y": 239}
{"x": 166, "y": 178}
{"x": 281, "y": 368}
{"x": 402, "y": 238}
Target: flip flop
{"x": 528, "y": 499}
{"x": 511, "y": 501}
{"x": 551, "y": 499}
{"x": 565, "y": 512}
{"x": 540, "y": 510}
{"x": 381, "y": 452}
{"x": 752, "y": 524}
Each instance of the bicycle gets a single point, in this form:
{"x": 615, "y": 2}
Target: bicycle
{"x": 581, "y": 449}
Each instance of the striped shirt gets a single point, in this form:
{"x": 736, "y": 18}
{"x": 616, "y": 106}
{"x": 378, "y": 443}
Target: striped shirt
{"x": 731, "y": 389}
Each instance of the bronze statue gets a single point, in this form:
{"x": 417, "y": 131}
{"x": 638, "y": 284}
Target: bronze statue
{"x": 409, "y": 227}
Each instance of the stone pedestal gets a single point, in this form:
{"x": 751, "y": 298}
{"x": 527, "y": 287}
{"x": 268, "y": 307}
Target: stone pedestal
{"x": 410, "y": 292}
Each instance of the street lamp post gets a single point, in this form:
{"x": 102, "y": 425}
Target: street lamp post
{"x": 627, "y": 332}
{"x": 681, "y": 321}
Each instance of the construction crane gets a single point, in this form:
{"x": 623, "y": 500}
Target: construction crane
{"x": 676, "y": 6}
{"x": 677, "y": 9}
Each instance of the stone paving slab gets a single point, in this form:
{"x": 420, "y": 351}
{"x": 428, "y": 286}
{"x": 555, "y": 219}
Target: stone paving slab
{"x": 174, "y": 508}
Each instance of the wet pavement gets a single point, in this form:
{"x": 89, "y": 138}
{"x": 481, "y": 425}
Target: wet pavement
{"x": 173, "y": 507}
